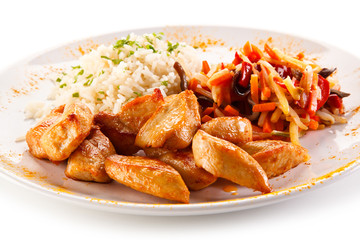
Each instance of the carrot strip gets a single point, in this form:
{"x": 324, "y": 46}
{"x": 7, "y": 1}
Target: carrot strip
{"x": 208, "y": 111}
{"x": 254, "y": 88}
{"x": 205, "y": 67}
{"x": 270, "y": 51}
{"x": 247, "y": 48}
{"x": 313, "y": 124}
{"x": 220, "y": 77}
{"x": 231, "y": 110}
{"x": 267, "y": 125}
{"x": 206, "y": 118}
{"x": 193, "y": 84}
{"x": 264, "y": 107}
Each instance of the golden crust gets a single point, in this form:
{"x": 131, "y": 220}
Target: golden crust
{"x": 226, "y": 160}
{"x": 148, "y": 175}
{"x": 122, "y": 137}
{"x": 173, "y": 124}
{"x": 195, "y": 178}
{"x": 135, "y": 113}
{"x": 68, "y": 132}
{"x": 87, "y": 162}
{"x": 233, "y": 129}
{"x": 276, "y": 157}
{"x": 34, "y": 135}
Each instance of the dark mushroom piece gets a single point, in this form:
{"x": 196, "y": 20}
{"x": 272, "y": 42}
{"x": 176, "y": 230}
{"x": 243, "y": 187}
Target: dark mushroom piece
{"x": 325, "y": 72}
{"x": 339, "y": 93}
{"x": 205, "y": 102}
{"x": 182, "y": 75}
{"x": 241, "y": 98}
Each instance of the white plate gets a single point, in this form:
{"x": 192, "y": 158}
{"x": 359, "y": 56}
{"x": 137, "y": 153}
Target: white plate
{"x": 334, "y": 151}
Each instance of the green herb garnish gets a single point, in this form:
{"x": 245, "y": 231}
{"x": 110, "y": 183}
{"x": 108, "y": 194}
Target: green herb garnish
{"x": 76, "y": 94}
{"x": 75, "y": 67}
{"x": 115, "y": 61}
{"x": 58, "y": 80}
{"x": 89, "y": 76}
{"x": 151, "y": 47}
{"x": 99, "y": 99}
{"x": 164, "y": 83}
{"x": 138, "y": 94}
{"x": 101, "y": 92}
{"x": 172, "y": 47}
{"x": 131, "y": 53}
{"x": 63, "y": 85}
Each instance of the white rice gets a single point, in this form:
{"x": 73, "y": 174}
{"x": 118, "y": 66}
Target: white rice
{"x": 105, "y": 84}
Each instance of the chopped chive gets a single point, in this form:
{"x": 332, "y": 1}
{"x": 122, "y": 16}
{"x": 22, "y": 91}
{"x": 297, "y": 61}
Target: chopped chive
{"x": 105, "y": 57}
{"x": 89, "y": 76}
{"x": 131, "y": 53}
{"x": 164, "y": 83}
{"x": 172, "y": 47}
{"x": 151, "y": 47}
{"x": 76, "y": 94}
{"x": 81, "y": 72}
{"x": 58, "y": 80}
{"x": 75, "y": 67}
{"x": 89, "y": 82}
{"x": 149, "y": 40}
{"x": 116, "y": 61}
{"x": 75, "y": 79}
{"x": 99, "y": 99}
{"x": 101, "y": 92}
{"x": 137, "y": 94}
{"x": 118, "y": 87}
{"x": 64, "y": 73}
{"x": 63, "y": 85}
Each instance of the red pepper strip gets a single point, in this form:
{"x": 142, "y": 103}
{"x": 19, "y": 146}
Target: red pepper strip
{"x": 254, "y": 57}
{"x": 222, "y": 66}
{"x": 237, "y": 60}
{"x": 245, "y": 74}
{"x": 280, "y": 83}
{"x": 313, "y": 106}
{"x": 324, "y": 86}
{"x": 334, "y": 101}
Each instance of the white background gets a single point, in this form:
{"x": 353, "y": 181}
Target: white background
{"x": 27, "y": 27}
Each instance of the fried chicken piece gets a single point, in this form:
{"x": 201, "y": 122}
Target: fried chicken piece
{"x": 68, "y": 132}
{"x": 226, "y": 160}
{"x": 233, "y": 129}
{"x": 87, "y": 162}
{"x": 173, "y": 124}
{"x": 148, "y": 175}
{"x": 122, "y": 137}
{"x": 276, "y": 157}
{"x": 195, "y": 178}
{"x": 34, "y": 135}
{"x": 134, "y": 114}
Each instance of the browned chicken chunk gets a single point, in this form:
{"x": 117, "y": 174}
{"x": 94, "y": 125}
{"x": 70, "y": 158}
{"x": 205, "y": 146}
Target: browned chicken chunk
{"x": 122, "y": 137}
{"x": 173, "y": 124}
{"x": 34, "y": 135}
{"x": 135, "y": 113}
{"x": 226, "y": 160}
{"x": 68, "y": 132}
{"x": 233, "y": 129}
{"x": 195, "y": 178}
{"x": 276, "y": 157}
{"x": 148, "y": 175}
{"x": 87, "y": 163}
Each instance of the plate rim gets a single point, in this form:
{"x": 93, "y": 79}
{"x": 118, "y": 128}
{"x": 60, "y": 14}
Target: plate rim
{"x": 201, "y": 208}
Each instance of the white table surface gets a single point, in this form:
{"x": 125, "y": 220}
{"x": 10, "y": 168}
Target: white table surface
{"x": 27, "y": 27}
